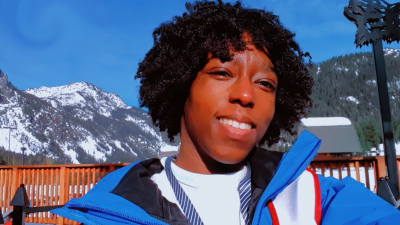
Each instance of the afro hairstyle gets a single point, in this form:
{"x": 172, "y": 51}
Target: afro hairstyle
{"x": 180, "y": 51}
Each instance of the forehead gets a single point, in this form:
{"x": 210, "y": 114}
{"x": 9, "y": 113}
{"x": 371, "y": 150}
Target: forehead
{"x": 250, "y": 52}
{"x": 229, "y": 50}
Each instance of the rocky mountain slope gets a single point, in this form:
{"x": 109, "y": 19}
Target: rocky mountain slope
{"x": 76, "y": 123}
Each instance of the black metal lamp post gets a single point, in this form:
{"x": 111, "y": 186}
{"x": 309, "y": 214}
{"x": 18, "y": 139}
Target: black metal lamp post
{"x": 23, "y": 153}
{"x": 9, "y": 141}
{"x": 20, "y": 202}
{"x": 377, "y": 20}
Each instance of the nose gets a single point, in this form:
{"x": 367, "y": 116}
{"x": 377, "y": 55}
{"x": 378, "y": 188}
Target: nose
{"x": 242, "y": 92}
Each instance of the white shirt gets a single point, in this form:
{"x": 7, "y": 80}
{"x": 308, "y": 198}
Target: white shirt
{"x": 215, "y": 196}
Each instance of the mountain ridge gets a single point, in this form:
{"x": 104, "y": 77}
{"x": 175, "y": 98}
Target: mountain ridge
{"x": 81, "y": 123}
{"x": 77, "y": 123}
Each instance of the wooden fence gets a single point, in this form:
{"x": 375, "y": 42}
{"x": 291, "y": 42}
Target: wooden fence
{"x": 56, "y": 184}
{"x": 366, "y": 170}
{"x": 50, "y": 185}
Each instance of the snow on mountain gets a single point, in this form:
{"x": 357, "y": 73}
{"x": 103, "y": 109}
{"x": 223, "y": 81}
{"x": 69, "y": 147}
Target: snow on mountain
{"x": 76, "y": 123}
{"x": 144, "y": 126}
{"x": 390, "y": 51}
{"x": 381, "y": 152}
{"x": 352, "y": 99}
{"x": 318, "y": 70}
{"x": 340, "y": 69}
{"x": 18, "y": 133}
{"x": 80, "y": 94}
{"x": 371, "y": 82}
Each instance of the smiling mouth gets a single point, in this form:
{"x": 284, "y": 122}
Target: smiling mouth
{"x": 235, "y": 124}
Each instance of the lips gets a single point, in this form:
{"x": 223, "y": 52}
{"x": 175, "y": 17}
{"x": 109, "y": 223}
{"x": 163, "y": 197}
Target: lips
{"x": 235, "y": 124}
{"x": 236, "y": 128}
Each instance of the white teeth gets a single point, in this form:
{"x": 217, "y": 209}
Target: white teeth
{"x": 243, "y": 126}
{"x": 235, "y": 124}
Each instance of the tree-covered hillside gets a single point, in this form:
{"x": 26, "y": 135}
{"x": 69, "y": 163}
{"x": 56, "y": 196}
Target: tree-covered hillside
{"x": 346, "y": 86}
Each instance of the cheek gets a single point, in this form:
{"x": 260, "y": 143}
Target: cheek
{"x": 198, "y": 107}
{"x": 203, "y": 98}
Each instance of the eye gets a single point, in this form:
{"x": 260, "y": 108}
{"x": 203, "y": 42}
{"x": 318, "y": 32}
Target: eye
{"x": 220, "y": 73}
{"x": 267, "y": 85}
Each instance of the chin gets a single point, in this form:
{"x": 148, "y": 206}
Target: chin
{"x": 231, "y": 156}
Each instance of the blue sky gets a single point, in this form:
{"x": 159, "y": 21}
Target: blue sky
{"x": 54, "y": 42}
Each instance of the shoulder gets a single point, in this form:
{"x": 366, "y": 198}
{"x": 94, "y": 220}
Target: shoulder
{"x": 347, "y": 201}
{"x": 115, "y": 178}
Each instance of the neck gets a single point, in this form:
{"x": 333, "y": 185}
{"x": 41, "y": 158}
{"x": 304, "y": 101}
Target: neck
{"x": 203, "y": 164}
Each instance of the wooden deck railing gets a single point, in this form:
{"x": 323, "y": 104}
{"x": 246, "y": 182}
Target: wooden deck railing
{"x": 56, "y": 184}
{"x": 50, "y": 185}
{"x": 366, "y": 170}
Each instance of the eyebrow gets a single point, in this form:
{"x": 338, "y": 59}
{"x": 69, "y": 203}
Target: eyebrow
{"x": 269, "y": 68}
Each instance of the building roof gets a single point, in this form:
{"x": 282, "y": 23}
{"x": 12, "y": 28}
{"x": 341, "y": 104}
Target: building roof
{"x": 325, "y": 121}
{"x": 337, "y": 134}
{"x": 168, "y": 150}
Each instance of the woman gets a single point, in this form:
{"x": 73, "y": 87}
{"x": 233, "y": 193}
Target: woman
{"x": 227, "y": 79}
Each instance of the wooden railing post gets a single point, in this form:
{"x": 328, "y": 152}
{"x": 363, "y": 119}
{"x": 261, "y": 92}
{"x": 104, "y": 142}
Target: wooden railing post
{"x": 14, "y": 180}
{"x": 381, "y": 167}
{"x": 63, "y": 192}
{"x": 111, "y": 168}
{"x": 357, "y": 168}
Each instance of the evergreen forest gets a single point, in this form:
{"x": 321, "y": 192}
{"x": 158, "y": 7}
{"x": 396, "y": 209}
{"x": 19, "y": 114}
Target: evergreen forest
{"x": 346, "y": 86}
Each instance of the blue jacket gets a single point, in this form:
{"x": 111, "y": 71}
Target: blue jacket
{"x": 128, "y": 196}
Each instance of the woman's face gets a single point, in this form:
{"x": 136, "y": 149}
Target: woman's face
{"x": 227, "y": 112}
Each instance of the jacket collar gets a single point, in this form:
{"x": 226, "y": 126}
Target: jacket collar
{"x": 137, "y": 187}
{"x": 291, "y": 166}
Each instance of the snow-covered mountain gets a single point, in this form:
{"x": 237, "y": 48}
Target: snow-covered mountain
{"x": 346, "y": 85}
{"x": 80, "y": 95}
{"x": 76, "y": 123}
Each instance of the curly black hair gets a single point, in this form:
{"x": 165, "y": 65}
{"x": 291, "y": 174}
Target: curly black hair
{"x": 182, "y": 45}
